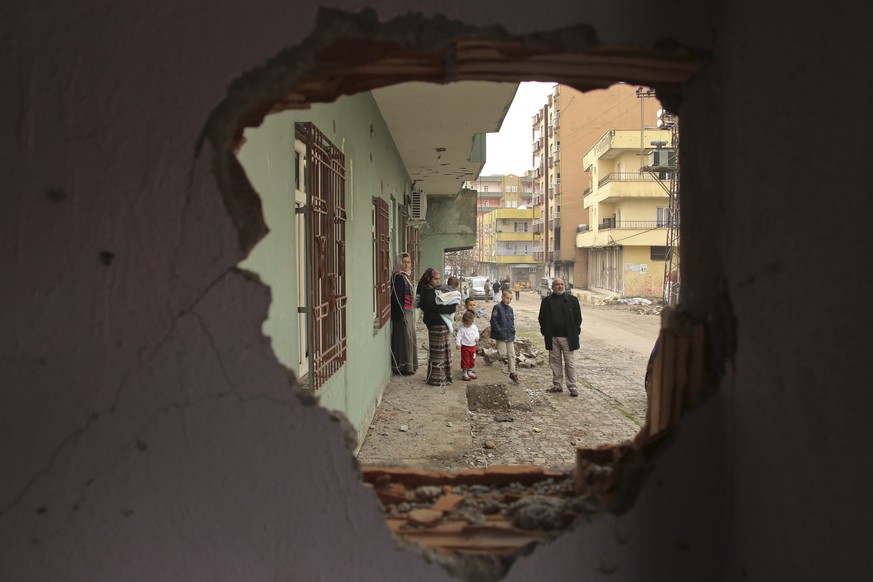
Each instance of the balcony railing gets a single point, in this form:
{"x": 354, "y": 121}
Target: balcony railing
{"x": 555, "y": 223}
{"x": 586, "y": 191}
{"x": 554, "y": 256}
{"x": 625, "y": 177}
{"x": 538, "y": 256}
{"x": 632, "y": 224}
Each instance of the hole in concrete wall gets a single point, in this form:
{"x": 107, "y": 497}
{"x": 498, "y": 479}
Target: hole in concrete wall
{"x": 497, "y": 514}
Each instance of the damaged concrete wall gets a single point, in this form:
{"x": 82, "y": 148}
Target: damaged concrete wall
{"x": 451, "y": 224}
{"x": 147, "y": 432}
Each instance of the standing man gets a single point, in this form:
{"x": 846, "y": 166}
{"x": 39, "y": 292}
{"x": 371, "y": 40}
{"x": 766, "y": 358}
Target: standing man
{"x": 560, "y": 320}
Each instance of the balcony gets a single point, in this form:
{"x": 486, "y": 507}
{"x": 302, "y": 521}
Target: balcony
{"x": 512, "y": 236}
{"x": 489, "y": 194}
{"x": 609, "y": 223}
{"x": 537, "y": 226}
{"x": 554, "y": 256}
{"x": 537, "y": 145}
{"x": 554, "y": 190}
{"x": 537, "y": 200}
{"x": 620, "y": 185}
{"x": 626, "y": 177}
{"x": 539, "y": 256}
{"x": 555, "y": 223}
{"x": 639, "y": 233}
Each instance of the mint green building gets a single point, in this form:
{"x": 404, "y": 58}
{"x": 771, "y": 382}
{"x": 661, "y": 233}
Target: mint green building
{"x": 383, "y": 172}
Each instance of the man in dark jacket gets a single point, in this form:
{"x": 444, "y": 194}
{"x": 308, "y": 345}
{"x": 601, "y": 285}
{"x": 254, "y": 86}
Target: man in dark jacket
{"x": 560, "y": 320}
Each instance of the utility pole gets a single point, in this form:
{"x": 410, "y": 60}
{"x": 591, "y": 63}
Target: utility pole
{"x": 672, "y": 271}
{"x": 670, "y": 165}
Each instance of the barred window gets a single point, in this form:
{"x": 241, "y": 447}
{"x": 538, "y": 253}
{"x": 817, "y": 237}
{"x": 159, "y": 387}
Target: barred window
{"x": 381, "y": 261}
{"x": 326, "y": 225}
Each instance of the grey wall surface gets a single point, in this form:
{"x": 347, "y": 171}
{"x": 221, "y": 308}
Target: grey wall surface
{"x": 148, "y": 433}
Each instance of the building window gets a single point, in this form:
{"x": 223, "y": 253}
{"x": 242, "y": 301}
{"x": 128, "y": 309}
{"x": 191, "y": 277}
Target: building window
{"x": 661, "y": 218}
{"x": 484, "y": 188}
{"x": 326, "y": 224}
{"x": 658, "y": 253}
{"x": 381, "y": 263}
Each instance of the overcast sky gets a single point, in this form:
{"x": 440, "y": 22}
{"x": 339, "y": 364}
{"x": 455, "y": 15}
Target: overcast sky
{"x": 509, "y": 150}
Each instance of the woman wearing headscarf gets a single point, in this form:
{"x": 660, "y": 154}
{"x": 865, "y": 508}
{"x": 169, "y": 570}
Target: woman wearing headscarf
{"x": 404, "y": 356}
{"x": 439, "y": 363}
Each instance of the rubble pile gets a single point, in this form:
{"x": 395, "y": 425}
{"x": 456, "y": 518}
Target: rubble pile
{"x": 525, "y": 355}
{"x": 498, "y": 510}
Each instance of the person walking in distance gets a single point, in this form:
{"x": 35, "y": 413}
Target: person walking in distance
{"x": 560, "y": 319}
{"x": 503, "y": 332}
{"x": 517, "y": 290}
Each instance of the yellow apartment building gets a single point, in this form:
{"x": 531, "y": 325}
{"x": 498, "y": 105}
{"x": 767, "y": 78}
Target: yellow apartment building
{"x": 507, "y": 239}
{"x": 627, "y": 203}
{"x": 563, "y": 131}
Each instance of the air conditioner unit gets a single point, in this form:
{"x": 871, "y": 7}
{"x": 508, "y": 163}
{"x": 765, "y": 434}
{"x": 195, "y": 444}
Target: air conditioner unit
{"x": 418, "y": 207}
{"x": 662, "y": 158}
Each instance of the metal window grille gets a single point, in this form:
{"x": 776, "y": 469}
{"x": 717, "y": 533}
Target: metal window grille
{"x": 326, "y": 223}
{"x": 412, "y": 244}
{"x": 383, "y": 267}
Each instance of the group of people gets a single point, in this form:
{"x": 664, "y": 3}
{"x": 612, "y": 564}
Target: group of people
{"x": 498, "y": 287}
{"x": 560, "y": 321}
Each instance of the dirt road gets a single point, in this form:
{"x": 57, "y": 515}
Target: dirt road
{"x": 433, "y": 427}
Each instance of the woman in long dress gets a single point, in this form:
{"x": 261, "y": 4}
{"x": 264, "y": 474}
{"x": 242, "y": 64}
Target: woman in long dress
{"x": 404, "y": 355}
{"x": 439, "y": 361}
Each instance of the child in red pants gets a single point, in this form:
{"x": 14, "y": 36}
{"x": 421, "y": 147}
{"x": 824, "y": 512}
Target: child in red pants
{"x": 466, "y": 340}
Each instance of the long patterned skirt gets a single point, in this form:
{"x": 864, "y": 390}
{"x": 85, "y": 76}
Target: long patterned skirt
{"x": 404, "y": 352}
{"x": 439, "y": 363}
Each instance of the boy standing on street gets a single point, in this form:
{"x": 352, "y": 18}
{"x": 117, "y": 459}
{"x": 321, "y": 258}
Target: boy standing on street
{"x": 503, "y": 332}
{"x": 466, "y": 340}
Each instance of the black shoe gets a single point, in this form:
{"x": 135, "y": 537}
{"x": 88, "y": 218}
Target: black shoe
{"x": 514, "y": 377}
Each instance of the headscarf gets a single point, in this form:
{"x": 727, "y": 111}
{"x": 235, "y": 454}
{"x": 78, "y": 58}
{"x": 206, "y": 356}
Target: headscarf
{"x": 401, "y": 272}
{"x": 399, "y": 268}
{"x": 426, "y": 279}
